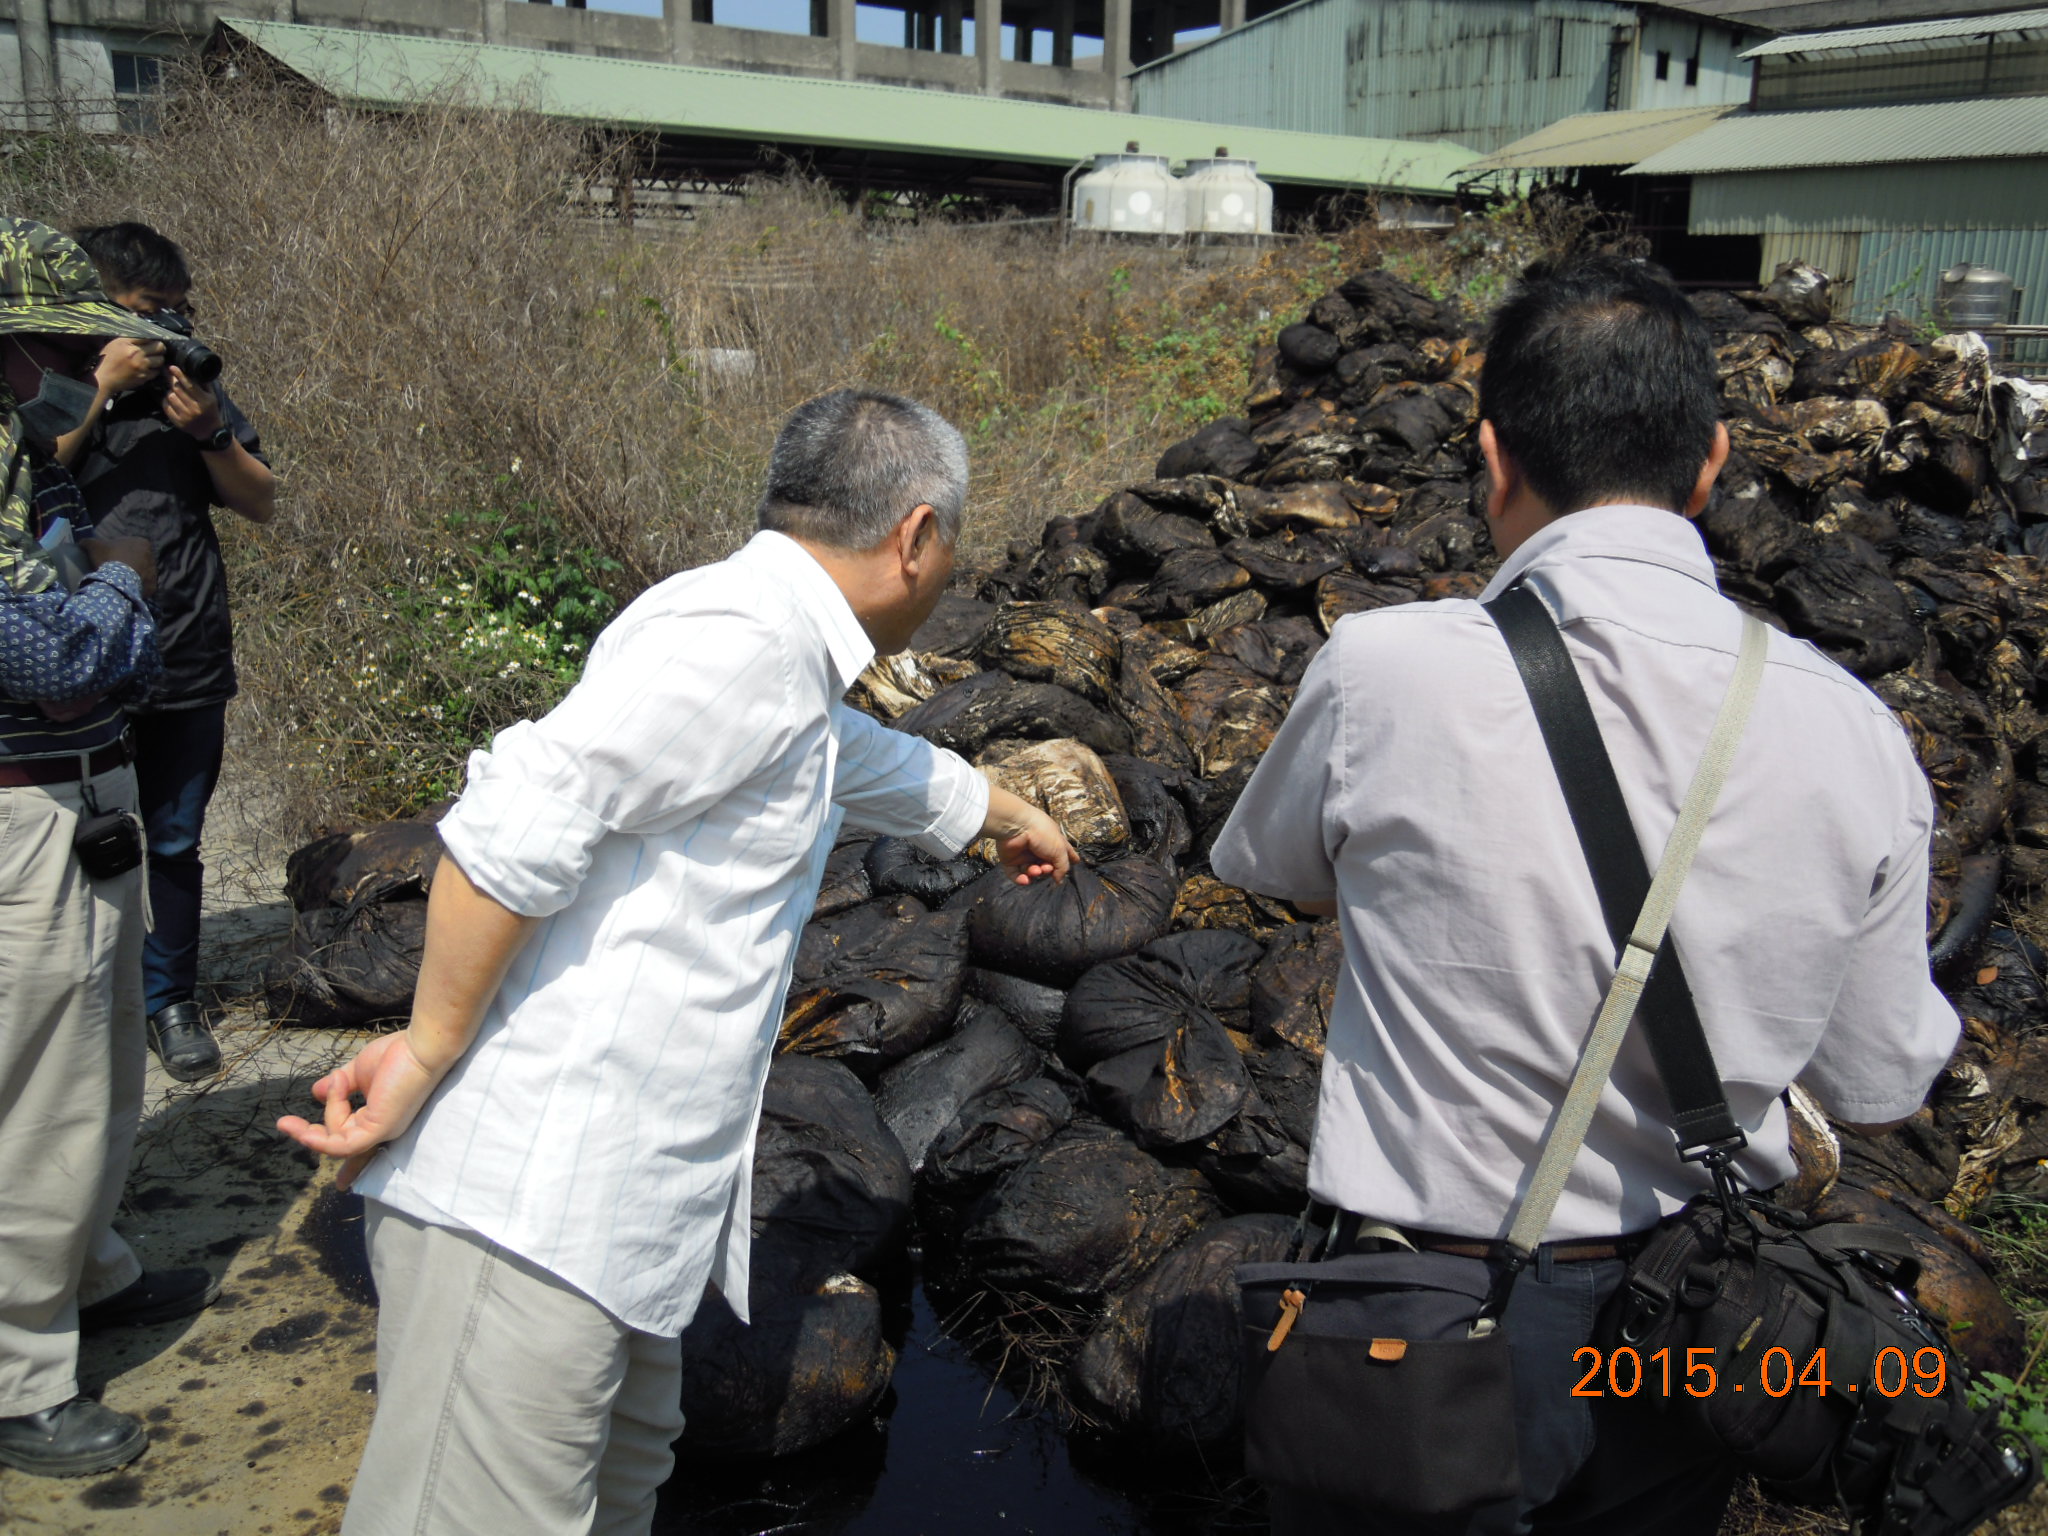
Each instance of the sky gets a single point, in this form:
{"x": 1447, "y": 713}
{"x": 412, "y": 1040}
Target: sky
{"x": 871, "y": 23}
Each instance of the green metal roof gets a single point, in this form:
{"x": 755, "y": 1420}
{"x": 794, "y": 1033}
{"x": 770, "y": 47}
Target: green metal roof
{"x": 1601, "y": 138}
{"x": 1905, "y": 36}
{"x": 386, "y": 69}
{"x": 1996, "y": 129}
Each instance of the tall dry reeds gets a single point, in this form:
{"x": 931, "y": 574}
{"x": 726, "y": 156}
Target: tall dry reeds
{"x": 495, "y": 418}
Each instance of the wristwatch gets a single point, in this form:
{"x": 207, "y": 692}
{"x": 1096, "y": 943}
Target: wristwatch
{"x": 223, "y": 438}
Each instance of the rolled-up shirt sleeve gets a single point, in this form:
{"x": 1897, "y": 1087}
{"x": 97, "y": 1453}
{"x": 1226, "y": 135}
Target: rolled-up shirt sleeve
{"x": 1891, "y": 1031}
{"x": 901, "y": 785}
{"x": 673, "y": 713}
{"x": 57, "y": 646}
{"x": 1275, "y": 841}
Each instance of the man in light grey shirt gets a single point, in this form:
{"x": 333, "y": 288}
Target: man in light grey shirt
{"x": 1409, "y": 794}
{"x": 556, "y": 1149}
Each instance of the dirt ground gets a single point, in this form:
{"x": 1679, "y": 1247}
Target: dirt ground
{"x": 257, "y": 1408}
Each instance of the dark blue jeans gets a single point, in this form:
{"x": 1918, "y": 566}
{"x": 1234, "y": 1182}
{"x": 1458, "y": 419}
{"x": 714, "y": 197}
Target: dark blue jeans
{"x": 177, "y": 765}
{"x": 1590, "y": 1467}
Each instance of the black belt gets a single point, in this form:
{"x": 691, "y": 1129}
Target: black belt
{"x": 66, "y": 768}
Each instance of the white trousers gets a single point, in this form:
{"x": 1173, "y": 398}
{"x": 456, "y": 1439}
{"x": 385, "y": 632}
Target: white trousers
{"x": 508, "y": 1403}
{"x": 71, "y": 1063}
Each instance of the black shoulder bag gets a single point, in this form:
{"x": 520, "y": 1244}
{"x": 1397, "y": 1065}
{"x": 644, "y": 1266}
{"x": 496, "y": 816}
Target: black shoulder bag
{"x": 1816, "y": 1371}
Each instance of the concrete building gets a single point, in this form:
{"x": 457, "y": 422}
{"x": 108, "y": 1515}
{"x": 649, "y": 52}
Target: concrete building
{"x": 107, "y": 54}
{"x": 1475, "y": 72}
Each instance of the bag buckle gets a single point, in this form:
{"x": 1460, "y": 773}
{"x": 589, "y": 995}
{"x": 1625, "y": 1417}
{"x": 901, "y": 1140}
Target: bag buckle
{"x": 1512, "y": 1262}
{"x": 1716, "y": 1153}
{"x": 1719, "y": 1156}
{"x": 1646, "y": 1300}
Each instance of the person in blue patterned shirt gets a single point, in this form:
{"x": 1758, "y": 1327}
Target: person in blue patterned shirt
{"x": 76, "y": 639}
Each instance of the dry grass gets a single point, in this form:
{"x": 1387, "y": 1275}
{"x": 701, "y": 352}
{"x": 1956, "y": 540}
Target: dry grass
{"x": 472, "y": 393}
{"x": 1027, "y": 1343}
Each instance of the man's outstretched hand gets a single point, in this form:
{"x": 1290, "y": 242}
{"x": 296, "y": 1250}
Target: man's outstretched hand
{"x": 1029, "y": 842}
{"x": 471, "y": 939}
{"x": 392, "y": 1083}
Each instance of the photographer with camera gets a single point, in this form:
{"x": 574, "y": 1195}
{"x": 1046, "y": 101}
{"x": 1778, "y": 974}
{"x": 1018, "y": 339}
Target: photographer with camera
{"x": 164, "y": 445}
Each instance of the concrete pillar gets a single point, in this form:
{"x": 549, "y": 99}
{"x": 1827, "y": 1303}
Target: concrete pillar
{"x": 1116, "y": 51}
{"x": 988, "y": 45}
{"x": 1063, "y": 34}
{"x": 955, "y": 12}
{"x": 493, "y": 21}
{"x": 1025, "y": 33}
{"x": 1162, "y": 25}
{"x": 821, "y": 18}
{"x": 1233, "y": 15}
{"x": 841, "y": 31}
{"x": 38, "y": 62}
{"x": 678, "y": 16}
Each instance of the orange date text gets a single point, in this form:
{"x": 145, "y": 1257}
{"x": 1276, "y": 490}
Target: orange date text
{"x": 1625, "y": 1372}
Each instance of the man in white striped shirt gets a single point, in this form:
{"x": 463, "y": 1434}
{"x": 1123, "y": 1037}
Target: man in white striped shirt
{"x": 557, "y": 1149}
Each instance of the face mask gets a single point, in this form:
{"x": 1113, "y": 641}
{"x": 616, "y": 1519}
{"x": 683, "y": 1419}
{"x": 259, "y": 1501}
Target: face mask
{"x": 61, "y": 406}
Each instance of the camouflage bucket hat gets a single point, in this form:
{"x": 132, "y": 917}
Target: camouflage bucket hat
{"x": 48, "y": 286}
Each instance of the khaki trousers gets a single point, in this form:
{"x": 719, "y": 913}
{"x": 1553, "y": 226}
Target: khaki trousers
{"x": 71, "y": 1060}
{"x": 508, "y": 1403}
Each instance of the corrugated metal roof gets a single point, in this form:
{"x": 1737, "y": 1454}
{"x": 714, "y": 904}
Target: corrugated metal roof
{"x": 386, "y": 69}
{"x": 1601, "y": 138}
{"x": 1923, "y": 130}
{"x": 1810, "y": 15}
{"x": 1946, "y": 31}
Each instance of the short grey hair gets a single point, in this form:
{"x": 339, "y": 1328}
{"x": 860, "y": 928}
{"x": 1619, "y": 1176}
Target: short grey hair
{"x": 850, "y": 465}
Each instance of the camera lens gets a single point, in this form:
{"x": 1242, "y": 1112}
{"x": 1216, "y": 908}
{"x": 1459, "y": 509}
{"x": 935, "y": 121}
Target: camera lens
{"x": 199, "y": 362}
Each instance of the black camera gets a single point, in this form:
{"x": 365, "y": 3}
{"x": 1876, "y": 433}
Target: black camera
{"x": 200, "y": 363}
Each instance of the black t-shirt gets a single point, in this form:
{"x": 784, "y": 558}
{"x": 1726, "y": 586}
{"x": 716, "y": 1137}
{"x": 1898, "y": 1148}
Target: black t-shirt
{"x": 144, "y": 478}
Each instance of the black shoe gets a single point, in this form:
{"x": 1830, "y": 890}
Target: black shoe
{"x": 160, "y": 1296}
{"x": 74, "y": 1439}
{"x": 182, "y": 1042}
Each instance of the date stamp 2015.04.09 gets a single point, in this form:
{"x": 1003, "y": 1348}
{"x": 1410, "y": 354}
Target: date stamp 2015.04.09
{"x": 1624, "y": 1372}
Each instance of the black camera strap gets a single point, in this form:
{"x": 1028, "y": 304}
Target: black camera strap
{"x": 1707, "y": 1131}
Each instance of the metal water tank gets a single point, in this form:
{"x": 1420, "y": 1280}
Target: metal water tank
{"x": 1226, "y": 197}
{"x": 1971, "y": 297}
{"x": 1131, "y": 194}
